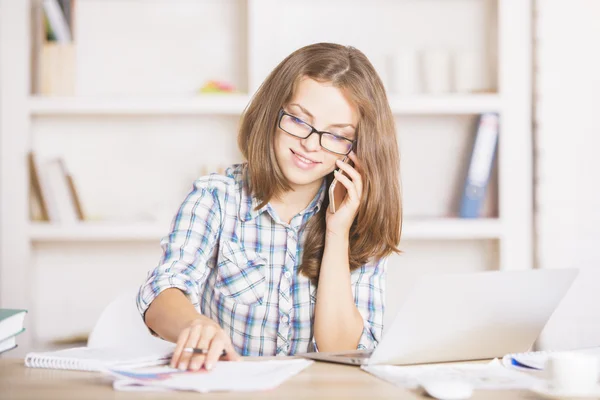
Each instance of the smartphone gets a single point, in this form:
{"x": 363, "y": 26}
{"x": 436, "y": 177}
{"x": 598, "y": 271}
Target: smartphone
{"x": 337, "y": 193}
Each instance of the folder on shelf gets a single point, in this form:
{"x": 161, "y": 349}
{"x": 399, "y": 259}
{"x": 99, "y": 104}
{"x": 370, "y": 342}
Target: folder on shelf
{"x": 480, "y": 165}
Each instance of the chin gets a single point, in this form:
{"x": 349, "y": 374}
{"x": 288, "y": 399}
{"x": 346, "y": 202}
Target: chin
{"x": 298, "y": 177}
{"x": 301, "y": 178}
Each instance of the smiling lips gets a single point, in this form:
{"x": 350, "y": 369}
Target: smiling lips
{"x": 303, "y": 162}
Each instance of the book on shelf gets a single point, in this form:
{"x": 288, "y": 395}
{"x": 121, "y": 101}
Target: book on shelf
{"x": 54, "y": 191}
{"x": 11, "y": 324}
{"x": 57, "y": 22}
{"x": 480, "y": 166}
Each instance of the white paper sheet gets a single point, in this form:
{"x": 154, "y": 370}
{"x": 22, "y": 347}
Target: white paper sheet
{"x": 225, "y": 376}
{"x": 481, "y": 376}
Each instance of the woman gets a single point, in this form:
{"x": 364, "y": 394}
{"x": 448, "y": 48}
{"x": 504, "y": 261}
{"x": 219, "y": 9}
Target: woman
{"x": 257, "y": 262}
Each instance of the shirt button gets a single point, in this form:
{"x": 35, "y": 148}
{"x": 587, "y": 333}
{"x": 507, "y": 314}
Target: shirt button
{"x": 284, "y": 319}
{"x": 287, "y": 274}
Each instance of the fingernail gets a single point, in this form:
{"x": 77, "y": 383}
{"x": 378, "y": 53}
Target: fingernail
{"x": 208, "y": 366}
{"x": 194, "y": 366}
{"x": 181, "y": 366}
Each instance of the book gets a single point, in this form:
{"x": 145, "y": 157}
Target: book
{"x": 536, "y": 360}
{"x": 57, "y": 21}
{"x": 480, "y": 165}
{"x": 9, "y": 343}
{"x": 11, "y": 322}
{"x": 67, "y": 7}
{"x": 97, "y": 358}
{"x": 39, "y": 194}
{"x": 63, "y": 203}
{"x": 74, "y": 196}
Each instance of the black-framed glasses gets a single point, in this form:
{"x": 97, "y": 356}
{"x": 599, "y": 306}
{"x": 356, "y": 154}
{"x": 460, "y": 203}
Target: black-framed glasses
{"x": 329, "y": 141}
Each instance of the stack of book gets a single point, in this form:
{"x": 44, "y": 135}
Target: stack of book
{"x": 11, "y": 325}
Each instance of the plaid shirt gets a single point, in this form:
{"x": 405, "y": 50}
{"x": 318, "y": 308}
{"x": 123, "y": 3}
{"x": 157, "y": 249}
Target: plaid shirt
{"x": 239, "y": 266}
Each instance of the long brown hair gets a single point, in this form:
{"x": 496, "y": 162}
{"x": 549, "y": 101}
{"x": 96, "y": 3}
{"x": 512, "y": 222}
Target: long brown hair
{"x": 375, "y": 232}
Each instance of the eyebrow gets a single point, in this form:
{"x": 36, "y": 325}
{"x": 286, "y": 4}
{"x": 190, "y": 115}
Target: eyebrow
{"x": 305, "y": 111}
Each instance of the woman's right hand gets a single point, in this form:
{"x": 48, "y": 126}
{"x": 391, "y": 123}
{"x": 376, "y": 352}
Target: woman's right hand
{"x": 202, "y": 333}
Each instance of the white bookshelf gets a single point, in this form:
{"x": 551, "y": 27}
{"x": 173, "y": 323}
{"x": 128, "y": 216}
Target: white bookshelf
{"x": 133, "y": 127}
{"x": 413, "y": 229}
{"x": 234, "y": 104}
{"x": 218, "y": 104}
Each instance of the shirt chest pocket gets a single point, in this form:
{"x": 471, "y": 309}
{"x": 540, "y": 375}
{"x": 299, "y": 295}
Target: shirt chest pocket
{"x": 241, "y": 274}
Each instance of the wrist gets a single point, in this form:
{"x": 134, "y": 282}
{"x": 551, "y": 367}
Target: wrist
{"x": 337, "y": 238}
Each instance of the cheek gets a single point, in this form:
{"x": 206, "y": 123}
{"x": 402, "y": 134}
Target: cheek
{"x": 329, "y": 162}
{"x": 280, "y": 144}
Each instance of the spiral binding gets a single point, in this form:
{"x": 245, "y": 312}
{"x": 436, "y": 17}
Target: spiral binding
{"x": 42, "y": 361}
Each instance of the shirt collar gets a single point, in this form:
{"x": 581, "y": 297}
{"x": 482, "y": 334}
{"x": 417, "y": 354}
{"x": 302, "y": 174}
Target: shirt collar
{"x": 248, "y": 203}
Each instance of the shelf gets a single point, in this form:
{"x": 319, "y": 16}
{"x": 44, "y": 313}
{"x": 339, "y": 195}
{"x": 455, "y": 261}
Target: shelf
{"x": 96, "y": 231}
{"x": 442, "y": 229}
{"x": 234, "y": 104}
{"x": 448, "y": 104}
{"x": 452, "y": 228}
{"x": 225, "y": 104}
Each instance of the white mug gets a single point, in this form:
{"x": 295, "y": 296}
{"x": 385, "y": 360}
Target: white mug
{"x": 436, "y": 71}
{"x": 405, "y": 73}
{"x": 470, "y": 72}
{"x": 572, "y": 373}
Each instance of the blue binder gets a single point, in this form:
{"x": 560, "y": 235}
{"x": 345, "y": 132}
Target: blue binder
{"x": 480, "y": 165}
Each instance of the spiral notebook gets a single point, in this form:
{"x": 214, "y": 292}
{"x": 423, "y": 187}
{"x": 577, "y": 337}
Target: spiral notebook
{"x": 97, "y": 359}
{"x": 536, "y": 360}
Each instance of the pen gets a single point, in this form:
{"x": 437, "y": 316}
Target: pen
{"x": 200, "y": 351}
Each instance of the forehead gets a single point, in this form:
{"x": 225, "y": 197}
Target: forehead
{"x": 328, "y": 104}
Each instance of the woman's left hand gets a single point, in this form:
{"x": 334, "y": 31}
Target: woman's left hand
{"x": 339, "y": 223}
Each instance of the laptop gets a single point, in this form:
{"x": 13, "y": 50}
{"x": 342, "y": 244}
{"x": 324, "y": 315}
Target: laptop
{"x": 466, "y": 316}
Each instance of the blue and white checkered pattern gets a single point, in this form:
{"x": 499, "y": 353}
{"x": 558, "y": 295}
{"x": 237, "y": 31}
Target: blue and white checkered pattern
{"x": 239, "y": 266}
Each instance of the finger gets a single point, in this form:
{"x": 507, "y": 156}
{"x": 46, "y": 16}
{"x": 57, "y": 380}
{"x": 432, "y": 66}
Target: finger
{"x": 356, "y": 161}
{"x": 181, "y": 341}
{"x": 203, "y": 343}
{"x": 193, "y": 337}
{"x": 359, "y": 168}
{"x": 356, "y": 177}
{"x": 347, "y": 168}
{"x": 352, "y": 193}
{"x": 214, "y": 353}
{"x": 231, "y": 355}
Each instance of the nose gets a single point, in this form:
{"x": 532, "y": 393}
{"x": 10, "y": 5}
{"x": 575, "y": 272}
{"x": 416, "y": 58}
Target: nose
{"x": 311, "y": 143}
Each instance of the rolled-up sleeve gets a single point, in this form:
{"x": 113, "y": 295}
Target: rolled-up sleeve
{"x": 368, "y": 284}
{"x": 187, "y": 249}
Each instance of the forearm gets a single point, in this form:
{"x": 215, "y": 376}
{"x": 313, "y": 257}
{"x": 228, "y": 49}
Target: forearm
{"x": 170, "y": 313}
{"x": 338, "y": 325}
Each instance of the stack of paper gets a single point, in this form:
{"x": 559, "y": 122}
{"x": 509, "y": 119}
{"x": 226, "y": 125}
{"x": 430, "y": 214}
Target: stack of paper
{"x": 225, "y": 376}
{"x": 491, "y": 376}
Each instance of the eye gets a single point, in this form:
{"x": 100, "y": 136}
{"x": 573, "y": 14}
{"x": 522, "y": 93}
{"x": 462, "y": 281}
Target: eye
{"x": 297, "y": 121}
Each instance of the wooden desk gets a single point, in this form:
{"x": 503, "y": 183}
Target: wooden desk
{"x": 319, "y": 381}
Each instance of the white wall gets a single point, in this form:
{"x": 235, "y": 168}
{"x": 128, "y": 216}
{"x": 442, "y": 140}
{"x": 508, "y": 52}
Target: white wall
{"x": 567, "y": 106}
{"x": 167, "y": 49}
